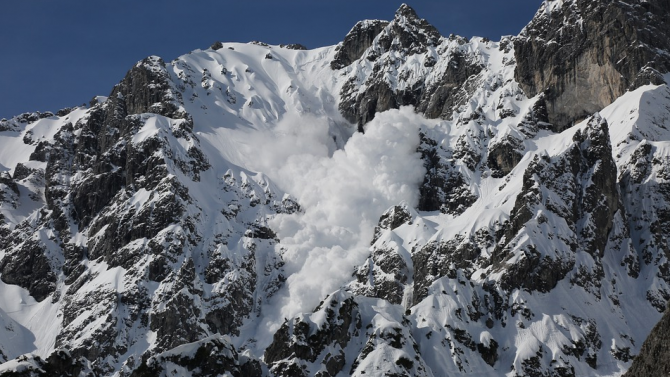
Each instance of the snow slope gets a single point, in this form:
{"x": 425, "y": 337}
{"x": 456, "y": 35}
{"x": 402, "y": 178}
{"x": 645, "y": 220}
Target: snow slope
{"x": 221, "y": 203}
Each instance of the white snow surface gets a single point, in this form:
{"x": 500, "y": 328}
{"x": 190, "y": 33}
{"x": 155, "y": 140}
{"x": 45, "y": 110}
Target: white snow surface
{"x": 29, "y": 326}
{"x": 274, "y": 121}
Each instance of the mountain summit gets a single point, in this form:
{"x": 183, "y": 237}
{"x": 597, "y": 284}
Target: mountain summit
{"x": 400, "y": 204}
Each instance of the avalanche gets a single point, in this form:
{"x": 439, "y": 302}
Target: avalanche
{"x": 398, "y": 204}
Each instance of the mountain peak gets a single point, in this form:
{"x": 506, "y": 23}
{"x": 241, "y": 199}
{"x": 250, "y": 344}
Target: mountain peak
{"x": 408, "y": 32}
{"x": 406, "y": 11}
{"x": 218, "y": 214}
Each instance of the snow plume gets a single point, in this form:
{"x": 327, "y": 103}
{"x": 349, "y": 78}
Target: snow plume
{"x": 294, "y": 137}
{"x": 342, "y": 195}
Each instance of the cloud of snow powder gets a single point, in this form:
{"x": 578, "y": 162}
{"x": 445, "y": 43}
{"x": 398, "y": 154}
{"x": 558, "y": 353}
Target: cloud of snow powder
{"x": 342, "y": 193}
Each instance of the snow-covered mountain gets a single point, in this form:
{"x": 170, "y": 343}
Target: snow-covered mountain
{"x": 401, "y": 204}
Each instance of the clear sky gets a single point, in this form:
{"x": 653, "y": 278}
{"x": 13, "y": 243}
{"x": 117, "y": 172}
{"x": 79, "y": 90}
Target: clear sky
{"x": 55, "y": 54}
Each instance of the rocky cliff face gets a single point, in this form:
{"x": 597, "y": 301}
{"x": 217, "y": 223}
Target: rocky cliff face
{"x": 584, "y": 54}
{"x": 580, "y": 188}
{"x": 121, "y": 175}
{"x": 359, "y": 39}
{"x": 384, "y": 75}
{"x": 653, "y": 357}
{"x": 187, "y": 223}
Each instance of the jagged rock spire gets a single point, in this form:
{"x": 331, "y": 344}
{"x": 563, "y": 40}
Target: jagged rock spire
{"x": 358, "y": 40}
{"x": 406, "y": 11}
{"x": 407, "y": 32}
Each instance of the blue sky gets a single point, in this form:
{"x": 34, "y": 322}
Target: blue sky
{"x": 56, "y": 54}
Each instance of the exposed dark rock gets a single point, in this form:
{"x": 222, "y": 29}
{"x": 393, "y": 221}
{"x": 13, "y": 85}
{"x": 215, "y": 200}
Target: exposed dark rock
{"x": 648, "y": 76}
{"x": 174, "y": 325}
{"x": 391, "y": 219}
{"x": 383, "y": 275}
{"x": 437, "y": 259}
{"x": 601, "y": 198}
{"x": 41, "y": 152}
{"x": 459, "y": 81}
{"x": 261, "y": 232}
{"x": 443, "y": 189}
{"x": 414, "y": 34}
{"x": 490, "y": 353}
{"x": 28, "y": 117}
{"x": 406, "y": 35}
{"x": 213, "y": 356}
{"x": 7, "y": 180}
{"x": 59, "y": 363}
{"x": 436, "y": 100}
{"x": 536, "y": 119}
{"x": 532, "y": 366}
{"x": 144, "y": 89}
{"x": 259, "y": 43}
{"x": 362, "y": 108}
{"x": 147, "y": 222}
{"x": 584, "y": 178}
{"x": 21, "y": 171}
{"x": 356, "y": 42}
{"x": 536, "y": 272}
{"x": 293, "y": 46}
{"x": 334, "y": 363}
{"x": 27, "y": 266}
{"x": 504, "y": 156}
{"x": 395, "y": 339}
{"x": 654, "y": 357}
{"x": 237, "y": 302}
{"x": 28, "y": 138}
{"x": 6, "y": 125}
{"x": 65, "y": 111}
{"x": 646, "y": 202}
{"x": 111, "y": 169}
{"x": 300, "y": 340}
{"x": 585, "y": 54}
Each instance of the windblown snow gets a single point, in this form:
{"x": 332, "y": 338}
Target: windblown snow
{"x": 266, "y": 120}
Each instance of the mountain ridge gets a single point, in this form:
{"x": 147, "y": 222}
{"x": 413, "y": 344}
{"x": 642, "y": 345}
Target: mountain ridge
{"x": 192, "y": 221}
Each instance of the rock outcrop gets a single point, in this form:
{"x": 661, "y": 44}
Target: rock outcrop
{"x": 654, "y": 357}
{"x": 405, "y": 44}
{"x": 580, "y": 187}
{"x": 444, "y": 188}
{"x": 208, "y": 357}
{"x": 361, "y": 36}
{"x": 116, "y": 192}
{"x": 314, "y": 345}
{"x": 141, "y": 237}
{"x": 584, "y": 54}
